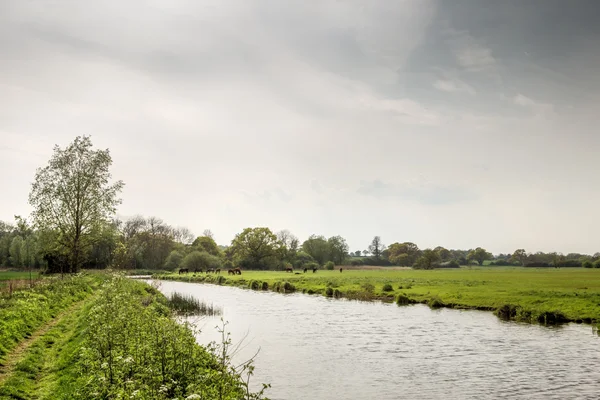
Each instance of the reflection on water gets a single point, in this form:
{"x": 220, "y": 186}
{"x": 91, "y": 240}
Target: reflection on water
{"x": 313, "y": 347}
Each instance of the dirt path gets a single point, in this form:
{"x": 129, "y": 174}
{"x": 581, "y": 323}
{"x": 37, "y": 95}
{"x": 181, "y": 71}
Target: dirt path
{"x": 19, "y": 352}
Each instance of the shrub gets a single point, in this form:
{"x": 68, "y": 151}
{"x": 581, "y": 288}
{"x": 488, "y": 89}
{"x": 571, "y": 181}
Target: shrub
{"x": 435, "y": 302}
{"x": 329, "y": 292}
{"x": 587, "y": 264}
{"x": 597, "y": 263}
{"x": 357, "y": 262}
{"x": 337, "y": 294}
{"x": 311, "y": 265}
{"x": 265, "y": 286}
{"x": 200, "y": 260}
{"x": 387, "y": 288}
{"x": 403, "y": 300}
{"x": 254, "y": 285}
{"x": 329, "y": 265}
{"x": 288, "y": 287}
{"x": 174, "y": 260}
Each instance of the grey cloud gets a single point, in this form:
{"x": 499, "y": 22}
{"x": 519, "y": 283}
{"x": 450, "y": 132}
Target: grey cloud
{"x": 423, "y": 193}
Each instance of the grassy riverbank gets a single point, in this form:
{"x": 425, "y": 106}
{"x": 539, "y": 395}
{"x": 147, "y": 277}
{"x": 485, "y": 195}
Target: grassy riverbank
{"x": 120, "y": 341}
{"x": 524, "y": 294}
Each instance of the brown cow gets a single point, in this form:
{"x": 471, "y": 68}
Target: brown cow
{"x": 230, "y": 272}
{"x": 183, "y": 271}
{"x": 238, "y": 271}
{"x": 289, "y": 270}
{"x": 340, "y": 270}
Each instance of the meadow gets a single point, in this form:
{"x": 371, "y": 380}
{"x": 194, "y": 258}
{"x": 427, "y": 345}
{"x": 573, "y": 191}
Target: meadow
{"x": 545, "y": 295}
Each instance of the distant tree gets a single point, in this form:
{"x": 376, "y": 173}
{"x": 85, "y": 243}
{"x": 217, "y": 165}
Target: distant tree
{"x": 256, "y": 248}
{"x": 428, "y": 259}
{"x": 317, "y": 247}
{"x": 72, "y": 196}
{"x": 200, "y": 260}
{"x": 365, "y": 253}
{"x": 302, "y": 258}
{"x": 183, "y": 235}
{"x": 520, "y": 256}
{"x": 444, "y": 253}
{"x": 174, "y": 260}
{"x": 16, "y": 252}
{"x": 479, "y": 255}
{"x": 357, "y": 253}
{"x": 404, "y": 254}
{"x": 208, "y": 233}
{"x": 376, "y": 247}
{"x": 207, "y": 244}
{"x": 289, "y": 245}
{"x": 338, "y": 249}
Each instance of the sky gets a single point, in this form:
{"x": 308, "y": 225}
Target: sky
{"x": 458, "y": 123}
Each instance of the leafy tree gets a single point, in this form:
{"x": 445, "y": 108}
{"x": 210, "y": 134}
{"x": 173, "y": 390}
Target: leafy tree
{"x": 200, "y": 260}
{"x": 73, "y": 196}
{"x": 174, "y": 260}
{"x": 520, "y": 255}
{"x": 317, "y": 247}
{"x": 289, "y": 245}
{"x": 444, "y": 253}
{"x": 207, "y": 244}
{"x": 479, "y": 255}
{"x": 404, "y": 254}
{"x": 16, "y": 252}
{"x": 338, "y": 249}
{"x": 256, "y": 248}
{"x": 329, "y": 265}
{"x": 428, "y": 260}
{"x": 357, "y": 253}
{"x": 376, "y": 247}
{"x": 302, "y": 258}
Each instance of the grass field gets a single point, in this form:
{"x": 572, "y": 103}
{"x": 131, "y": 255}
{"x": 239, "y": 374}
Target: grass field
{"x": 10, "y": 275}
{"x": 525, "y": 294}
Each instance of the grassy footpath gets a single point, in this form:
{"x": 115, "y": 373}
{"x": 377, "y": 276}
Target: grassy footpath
{"x": 26, "y": 310}
{"x": 525, "y": 294}
{"x": 121, "y": 342}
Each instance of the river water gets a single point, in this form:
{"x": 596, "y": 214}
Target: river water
{"x": 312, "y": 347}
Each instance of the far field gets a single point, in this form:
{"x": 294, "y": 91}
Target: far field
{"x": 527, "y": 294}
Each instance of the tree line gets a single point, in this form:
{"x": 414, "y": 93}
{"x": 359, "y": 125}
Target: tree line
{"x": 73, "y": 226}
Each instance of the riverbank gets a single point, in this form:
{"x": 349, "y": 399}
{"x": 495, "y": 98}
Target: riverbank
{"x": 122, "y": 340}
{"x": 547, "y": 296}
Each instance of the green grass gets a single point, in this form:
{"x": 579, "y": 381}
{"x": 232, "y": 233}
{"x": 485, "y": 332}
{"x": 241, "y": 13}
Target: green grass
{"x": 571, "y": 292}
{"x": 11, "y": 275}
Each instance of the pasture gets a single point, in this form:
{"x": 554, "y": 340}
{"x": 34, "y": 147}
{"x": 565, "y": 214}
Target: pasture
{"x": 571, "y": 293}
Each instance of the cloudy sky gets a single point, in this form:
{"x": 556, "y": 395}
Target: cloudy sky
{"x": 459, "y": 123}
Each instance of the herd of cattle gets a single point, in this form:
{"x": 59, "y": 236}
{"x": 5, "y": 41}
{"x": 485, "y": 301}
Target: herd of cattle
{"x": 235, "y": 271}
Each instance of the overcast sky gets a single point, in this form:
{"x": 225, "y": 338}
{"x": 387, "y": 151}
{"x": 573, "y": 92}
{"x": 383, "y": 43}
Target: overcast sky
{"x": 456, "y": 123}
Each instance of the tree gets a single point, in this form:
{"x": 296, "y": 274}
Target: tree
{"x": 73, "y": 196}
{"x": 200, "y": 260}
{"x": 338, "y": 249}
{"x": 443, "y": 252}
{"x": 207, "y": 244}
{"x": 376, "y": 247}
{"x": 317, "y": 247}
{"x": 289, "y": 245}
{"x": 183, "y": 235}
{"x": 429, "y": 258}
{"x": 520, "y": 255}
{"x": 256, "y": 248}
{"x": 208, "y": 233}
{"x": 404, "y": 254}
{"x": 479, "y": 255}
{"x": 16, "y": 252}
{"x": 357, "y": 253}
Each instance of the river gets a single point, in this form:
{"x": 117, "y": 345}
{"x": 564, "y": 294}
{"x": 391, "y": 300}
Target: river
{"x": 312, "y": 347}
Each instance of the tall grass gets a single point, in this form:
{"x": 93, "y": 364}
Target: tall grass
{"x": 185, "y": 304}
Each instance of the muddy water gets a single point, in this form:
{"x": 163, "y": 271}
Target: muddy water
{"x": 312, "y": 347}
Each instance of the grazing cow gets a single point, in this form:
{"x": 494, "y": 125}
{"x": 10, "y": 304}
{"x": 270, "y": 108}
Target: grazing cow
{"x": 340, "y": 270}
{"x": 183, "y": 271}
{"x": 305, "y": 269}
{"x": 231, "y": 272}
{"x": 238, "y": 271}
{"x": 289, "y": 270}
{"x": 198, "y": 270}
{"x": 314, "y": 269}
{"x": 218, "y": 271}
{"x": 210, "y": 270}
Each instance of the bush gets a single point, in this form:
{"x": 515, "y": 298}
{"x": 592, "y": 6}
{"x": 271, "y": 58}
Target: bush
{"x": 329, "y": 265}
{"x": 329, "y": 292}
{"x": 265, "y": 286}
{"x": 174, "y": 260}
{"x": 288, "y": 287}
{"x": 587, "y": 264}
{"x": 200, "y": 260}
{"x": 311, "y": 265}
{"x": 597, "y": 264}
{"x": 254, "y": 285}
{"x": 337, "y": 294}
{"x": 387, "y": 288}
{"x": 357, "y": 262}
{"x": 403, "y": 300}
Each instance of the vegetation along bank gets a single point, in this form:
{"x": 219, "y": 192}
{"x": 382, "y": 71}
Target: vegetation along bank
{"x": 115, "y": 338}
{"x": 547, "y": 296}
